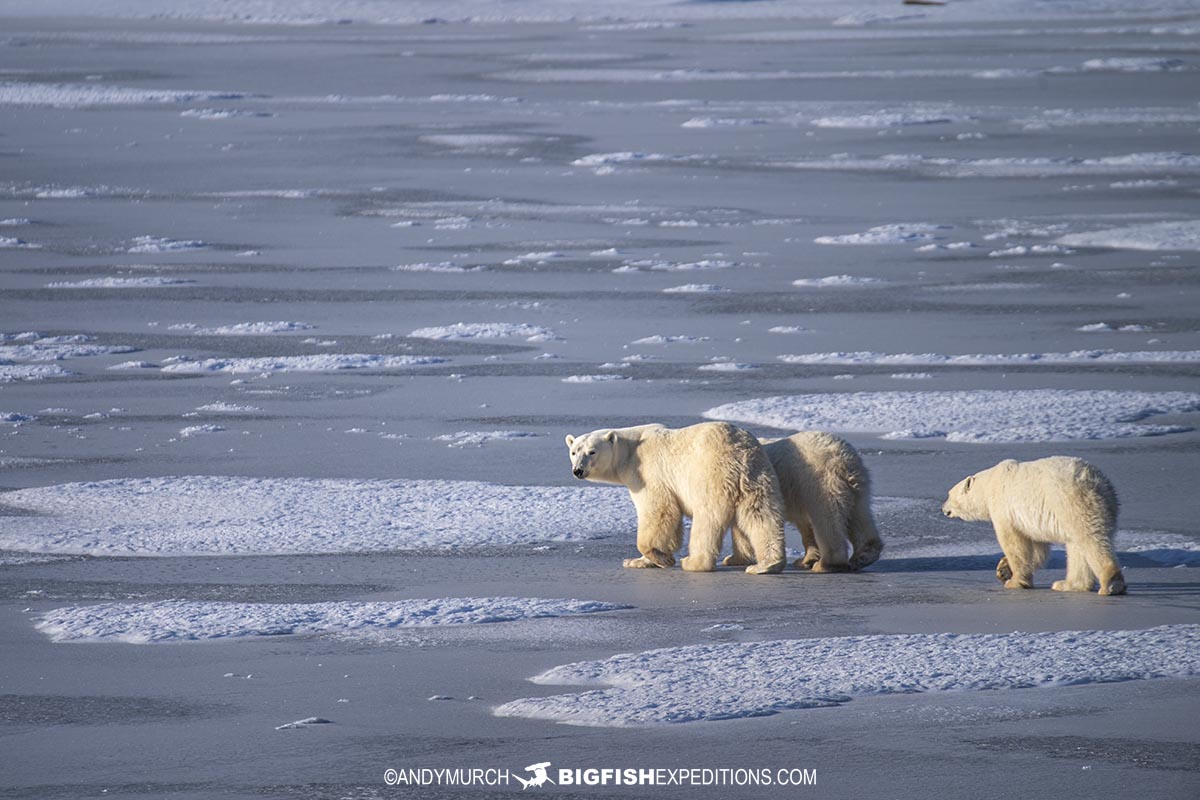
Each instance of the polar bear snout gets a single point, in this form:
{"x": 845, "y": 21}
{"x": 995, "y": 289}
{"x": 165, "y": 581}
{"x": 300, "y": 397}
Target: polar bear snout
{"x": 949, "y": 512}
{"x": 577, "y": 472}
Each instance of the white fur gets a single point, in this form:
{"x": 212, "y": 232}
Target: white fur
{"x": 1032, "y": 504}
{"x": 713, "y": 472}
{"x": 827, "y": 495}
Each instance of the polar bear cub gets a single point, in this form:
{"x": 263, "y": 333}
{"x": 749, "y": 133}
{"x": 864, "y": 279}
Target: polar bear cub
{"x": 713, "y": 472}
{"x": 827, "y": 495}
{"x": 1034, "y": 503}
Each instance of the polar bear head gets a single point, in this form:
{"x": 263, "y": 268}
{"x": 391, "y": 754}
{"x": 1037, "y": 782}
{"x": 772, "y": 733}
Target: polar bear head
{"x": 593, "y": 456}
{"x": 967, "y": 501}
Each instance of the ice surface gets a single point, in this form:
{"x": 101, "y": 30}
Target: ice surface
{"x": 1175, "y": 235}
{"x": 326, "y": 362}
{"x": 1033, "y": 415}
{"x": 709, "y": 682}
{"x": 630, "y": 15}
{"x": 174, "y": 516}
{"x": 182, "y": 620}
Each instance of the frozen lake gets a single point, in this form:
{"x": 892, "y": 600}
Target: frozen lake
{"x": 294, "y": 318}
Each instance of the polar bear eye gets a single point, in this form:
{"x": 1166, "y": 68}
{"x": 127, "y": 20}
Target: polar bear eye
{"x": 591, "y": 452}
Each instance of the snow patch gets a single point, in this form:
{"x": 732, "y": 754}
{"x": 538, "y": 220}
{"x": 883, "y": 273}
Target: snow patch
{"x": 325, "y": 362}
{"x": 1035, "y": 415}
{"x": 185, "y": 620}
{"x": 488, "y": 330}
{"x": 708, "y": 682}
{"x": 174, "y": 516}
{"x": 1182, "y": 235}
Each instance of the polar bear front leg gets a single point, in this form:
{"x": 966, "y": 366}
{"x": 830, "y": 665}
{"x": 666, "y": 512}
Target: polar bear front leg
{"x": 660, "y": 533}
{"x": 704, "y": 545}
{"x": 1022, "y": 554}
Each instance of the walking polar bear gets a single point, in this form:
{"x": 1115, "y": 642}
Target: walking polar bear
{"x": 1034, "y": 503}
{"x": 713, "y": 472}
{"x": 827, "y": 495}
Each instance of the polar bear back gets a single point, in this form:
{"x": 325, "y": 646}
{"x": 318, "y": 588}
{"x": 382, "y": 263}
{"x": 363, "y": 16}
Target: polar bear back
{"x": 816, "y": 469}
{"x": 710, "y": 460}
{"x": 1055, "y": 499}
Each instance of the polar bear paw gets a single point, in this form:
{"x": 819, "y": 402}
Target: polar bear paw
{"x": 736, "y": 561}
{"x": 1067, "y": 586}
{"x": 698, "y": 564}
{"x": 639, "y": 563}
{"x": 766, "y": 569}
{"x": 1115, "y": 585}
{"x": 1003, "y": 570}
{"x": 811, "y": 556}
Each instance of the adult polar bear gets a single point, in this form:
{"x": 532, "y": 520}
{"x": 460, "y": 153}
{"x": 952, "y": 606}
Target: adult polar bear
{"x": 1034, "y": 503}
{"x": 827, "y": 495}
{"x": 713, "y": 472}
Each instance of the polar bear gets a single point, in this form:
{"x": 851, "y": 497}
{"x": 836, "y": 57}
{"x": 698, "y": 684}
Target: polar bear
{"x": 827, "y": 495}
{"x": 713, "y": 472}
{"x": 1034, "y": 503}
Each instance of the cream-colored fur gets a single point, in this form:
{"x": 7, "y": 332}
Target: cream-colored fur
{"x": 827, "y": 495}
{"x": 1032, "y": 504}
{"x": 713, "y": 472}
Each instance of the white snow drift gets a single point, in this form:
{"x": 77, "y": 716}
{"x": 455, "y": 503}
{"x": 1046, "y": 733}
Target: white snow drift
{"x": 1034, "y": 415}
{"x": 201, "y": 515}
{"x": 324, "y": 362}
{"x": 185, "y": 620}
{"x": 709, "y": 682}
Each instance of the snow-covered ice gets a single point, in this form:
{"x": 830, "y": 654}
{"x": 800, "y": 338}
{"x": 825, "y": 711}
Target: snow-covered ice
{"x": 837, "y": 280}
{"x": 896, "y": 233}
{"x": 174, "y": 516}
{"x": 141, "y": 282}
{"x": 480, "y": 438}
{"x": 183, "y": 620}
{"x": 983, "y": 359}
{"x": 241, "y": 328}
{"x": 983, "y": 416}
{"x": 709, "y": 681}
{"x": 1173, "y": 235}
{"x": 488, "y": 330}
{"x": 326, "y": 362}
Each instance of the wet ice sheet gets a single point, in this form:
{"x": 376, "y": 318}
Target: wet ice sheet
{"x": 183, "y": 620}
{"x": 221, "y": 516}
{"x": 709, "y": 682}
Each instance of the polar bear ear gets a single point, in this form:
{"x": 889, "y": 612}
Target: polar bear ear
{"x": 967, "y": 485}
{"x": 611, "y": 436}
{"x": 570, "y": 440}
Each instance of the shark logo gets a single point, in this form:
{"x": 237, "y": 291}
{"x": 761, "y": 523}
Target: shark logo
{"x": 540, "y": 778}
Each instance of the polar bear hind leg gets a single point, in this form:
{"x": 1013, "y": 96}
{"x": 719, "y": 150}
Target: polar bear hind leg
{"x": 743, "y": 550}
{"x": 830, "y": 531}
{"x": 1079, "y": 573}
{"x": 1103, "y": 562}
{"x": 704, "y": 544}
{"x": 812, "y": 553}
{"x": 764, "y": 532}
{"x": 863, "y": 534}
